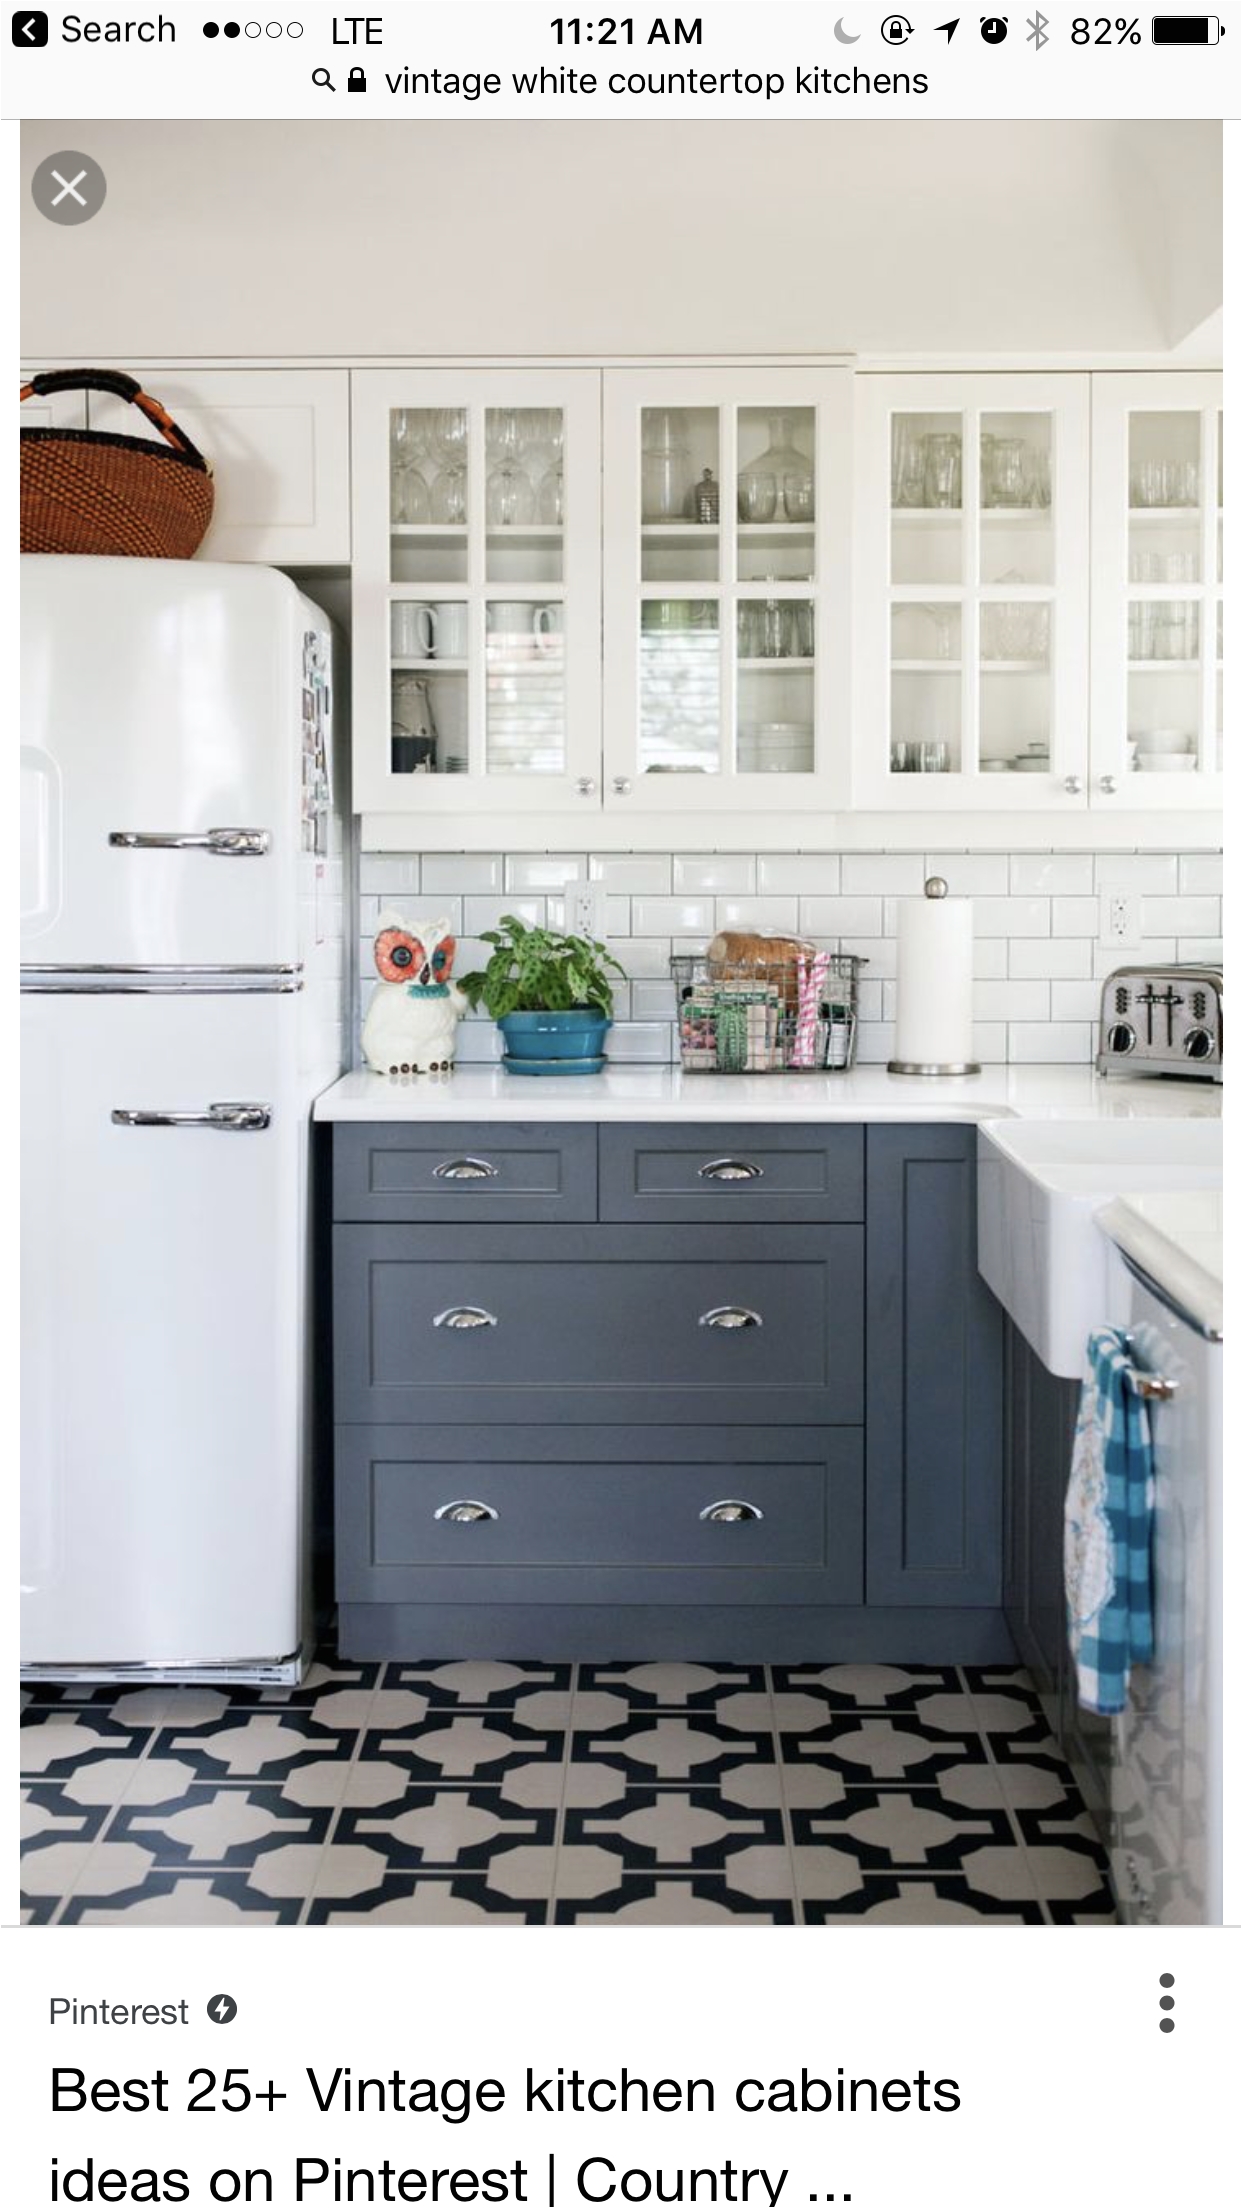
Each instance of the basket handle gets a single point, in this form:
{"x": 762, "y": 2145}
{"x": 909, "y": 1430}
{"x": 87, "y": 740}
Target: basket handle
{"x": 122, "y": 387}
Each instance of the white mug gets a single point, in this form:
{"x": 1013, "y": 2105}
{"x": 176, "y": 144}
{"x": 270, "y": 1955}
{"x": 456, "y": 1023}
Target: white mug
{"x": 412, "y": 630}
{"x": 511, "y": 616}
{"x": 450, "y": 629}
{"x": 549, "y": 628}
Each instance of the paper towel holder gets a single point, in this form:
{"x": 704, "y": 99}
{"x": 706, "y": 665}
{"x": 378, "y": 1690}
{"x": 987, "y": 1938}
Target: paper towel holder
{"x": 934, "y": 887}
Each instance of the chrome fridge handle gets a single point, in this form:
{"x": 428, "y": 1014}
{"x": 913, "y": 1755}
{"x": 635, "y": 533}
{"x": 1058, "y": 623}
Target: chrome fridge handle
{"x": 218, "y": 843}
{"x": 227, "y": 1119}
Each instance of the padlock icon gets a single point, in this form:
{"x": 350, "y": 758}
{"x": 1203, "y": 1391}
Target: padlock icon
{"x": 357, "y": 81}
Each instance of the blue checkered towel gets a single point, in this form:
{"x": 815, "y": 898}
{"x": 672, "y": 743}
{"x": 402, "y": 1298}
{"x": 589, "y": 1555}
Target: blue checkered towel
{"x": 1108, "y": 1521}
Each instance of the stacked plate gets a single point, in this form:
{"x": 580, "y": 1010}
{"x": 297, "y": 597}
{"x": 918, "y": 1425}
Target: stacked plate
{"x": 1162, "y": 751}
{"x": 775, "y": 747}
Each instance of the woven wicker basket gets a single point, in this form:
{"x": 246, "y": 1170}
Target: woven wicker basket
{"x": 86, "y": 490}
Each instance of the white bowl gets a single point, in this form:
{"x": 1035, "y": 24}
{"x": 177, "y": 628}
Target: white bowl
{"x": 1167, "y": 762}
{"x": 1164, "y": 739}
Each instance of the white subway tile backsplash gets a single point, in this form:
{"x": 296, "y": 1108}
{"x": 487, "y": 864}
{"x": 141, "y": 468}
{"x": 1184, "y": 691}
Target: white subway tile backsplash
{"x": 1181, "y": 916}
{"x": 1012, "y": 916}
{"x": 1153, "y": 873}
{"x": 1200, "y": 874}
{"x": 1059, "y": 958}
{"x": 714, "y": 872}
{"x": 971, "y": 873}
{"x": 638, "y": 873}
{"x": 1075, "y": 915}
{"x": 799, "y": 874}
{"x": 1011, "y": 1000}
{"x": 1052, "y": 874}
{"x": 462, "y": 872}
{"x": 673, "y": 916}
{"x": 1038, "y": 961}
{"x": 882, "y": 874}
{"x": 770, "y": 915}
{"x": 381, "y": 875}
{"x": 488, "y": 912}
{"x": 844, "y": 916}
{"x": 1051, "y": 1042}
{"x": 544, "y": 870}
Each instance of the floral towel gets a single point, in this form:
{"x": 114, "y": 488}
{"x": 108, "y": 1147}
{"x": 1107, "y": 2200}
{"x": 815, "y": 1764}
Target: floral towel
{"x": 1108, "y": 1522}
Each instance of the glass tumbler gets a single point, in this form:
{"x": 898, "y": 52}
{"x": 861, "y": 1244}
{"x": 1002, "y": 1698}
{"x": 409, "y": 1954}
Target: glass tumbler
{"x": 756, "y": 497}
{"x": 942, "y": 457}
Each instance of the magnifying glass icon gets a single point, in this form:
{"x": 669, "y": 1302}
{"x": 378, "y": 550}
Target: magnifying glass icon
{"x": 322, "y": 78}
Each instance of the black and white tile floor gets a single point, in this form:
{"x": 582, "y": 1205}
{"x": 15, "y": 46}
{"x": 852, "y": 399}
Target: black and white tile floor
{"x": 595, "y": 1794}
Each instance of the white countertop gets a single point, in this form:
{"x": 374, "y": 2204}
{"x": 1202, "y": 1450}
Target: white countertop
{"x": 647, "y": 1093}
{"x": 1178, "y": 1240}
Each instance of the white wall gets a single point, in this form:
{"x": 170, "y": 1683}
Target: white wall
{"x": 359, "y": 238}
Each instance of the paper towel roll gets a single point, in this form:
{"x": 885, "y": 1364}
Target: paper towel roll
{"x": 935, "y": 984}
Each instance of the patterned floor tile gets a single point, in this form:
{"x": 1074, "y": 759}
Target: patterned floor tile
{"x": 900, "y": 1828}
{"x": 426, "y": 1901}
{"x": 479, "y": 1684}
{"x": 658, "y": 1747}
{"x": 688, "y": 1827}
{"x": 226, "y": 1825}
{"x": 59, "y": 1743}
{"x": 917, "y": 1901}
{"x": 864, "y": 1686}
{"x": 880, "y": 1748}
{"x": 456, "y": 1828}
{"x": 472, "y": 1744}
{"x": 254, "y": 1744}
{"x": 168, "y": 1897}
{"x": 675, "y": 1901}
{"x": 670, "y": 1685}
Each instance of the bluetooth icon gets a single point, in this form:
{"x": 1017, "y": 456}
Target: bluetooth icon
{"x": 1037, "y": 30}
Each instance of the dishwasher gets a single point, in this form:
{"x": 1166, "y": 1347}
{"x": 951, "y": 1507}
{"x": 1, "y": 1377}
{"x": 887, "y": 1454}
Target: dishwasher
{"x": 1166, "y": 1778}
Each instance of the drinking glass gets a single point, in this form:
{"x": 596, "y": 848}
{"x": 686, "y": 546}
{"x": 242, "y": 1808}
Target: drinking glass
{"x": 934, "y": 758}
{"x": 912, "y": 483}
{"x": 552, "y": 496}
{"x": 942, "y": 469}
{"x": 756, "y": 497}
{"x": 448, "y": 496}
{"x": 450, "y": 428}
{"x": 903, "y": 758}
{"x": 510, "y": 497}
{"x": 1008, "y": 471}
{"x": 799, "y": 493}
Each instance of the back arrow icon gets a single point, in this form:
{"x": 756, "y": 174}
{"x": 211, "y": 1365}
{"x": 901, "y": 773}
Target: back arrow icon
{"x": 949, "y": 28}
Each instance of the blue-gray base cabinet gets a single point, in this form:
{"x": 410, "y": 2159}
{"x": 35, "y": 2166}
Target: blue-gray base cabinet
{"x": 727, "y": 1392}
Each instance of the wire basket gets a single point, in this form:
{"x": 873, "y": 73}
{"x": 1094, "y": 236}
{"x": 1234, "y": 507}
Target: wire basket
{"x": 756, "y": 1015}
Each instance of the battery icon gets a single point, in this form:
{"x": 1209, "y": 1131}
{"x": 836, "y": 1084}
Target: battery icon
{"x": 1186, "y": 30}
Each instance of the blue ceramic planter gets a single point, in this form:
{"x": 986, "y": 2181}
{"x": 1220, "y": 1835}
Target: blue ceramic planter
{"x": 551, "y": 1036}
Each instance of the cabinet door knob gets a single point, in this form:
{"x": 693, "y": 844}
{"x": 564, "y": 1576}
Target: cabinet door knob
{"x": 621, "y": 784}
{"x": 462, "y": 1318}
{"x": 465, "y": 1169}
{"x": 1073, "y": 785}
{"x": 729, "y": 1511}
{"x": 1108, "y": 784}
{"x": 731, "y": 1317}
{"x": 465, "y": 1512}
{"x": 730, "y": 1169}
{"x": 586, "y": 786}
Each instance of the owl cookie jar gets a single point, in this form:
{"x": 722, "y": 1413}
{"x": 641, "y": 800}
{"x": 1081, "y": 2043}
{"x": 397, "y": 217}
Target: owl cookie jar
{"x": 411, "y": 1022}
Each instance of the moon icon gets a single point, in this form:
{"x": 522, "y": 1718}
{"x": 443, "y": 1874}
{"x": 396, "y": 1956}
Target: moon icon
{"x": 845, "y": 38}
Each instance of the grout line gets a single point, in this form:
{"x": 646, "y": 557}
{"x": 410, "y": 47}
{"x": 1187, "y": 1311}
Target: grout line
{"x": 558, "y": 1830}
{"x": 999, "y": 1769}
{"x": 360, "y": 1733}
{"x": 799, "y": 1915}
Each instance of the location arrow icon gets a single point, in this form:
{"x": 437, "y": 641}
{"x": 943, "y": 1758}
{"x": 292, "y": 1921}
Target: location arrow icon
{"x": 949, "y": 28}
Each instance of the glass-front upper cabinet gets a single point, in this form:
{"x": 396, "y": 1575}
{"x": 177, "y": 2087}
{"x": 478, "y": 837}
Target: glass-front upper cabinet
{"x": 1158, "y": 621}
{"x": 973, "y": 591}
{"x": 726, "y": 584}
{"x": 476, "y": 590}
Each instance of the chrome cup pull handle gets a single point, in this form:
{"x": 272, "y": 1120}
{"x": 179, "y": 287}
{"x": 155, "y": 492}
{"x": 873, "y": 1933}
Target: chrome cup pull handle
{"x": 228, "y": 1119}
{"x": 730, "y": 1511}
{"x": 462, "y": 1318}
{"x": 464, "y": 1511}
{"x": 218, "y": 843}
{"x": 730, "y": 1169}
{"x": 465, "y": 1169}
{"x": 731, "y": 1317}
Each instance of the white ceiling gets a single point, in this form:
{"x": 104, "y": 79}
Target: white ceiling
{"x": 954, "y": 239}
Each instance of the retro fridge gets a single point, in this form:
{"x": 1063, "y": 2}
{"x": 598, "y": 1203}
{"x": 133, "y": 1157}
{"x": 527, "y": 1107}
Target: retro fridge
{"x": 182, "y": 1006}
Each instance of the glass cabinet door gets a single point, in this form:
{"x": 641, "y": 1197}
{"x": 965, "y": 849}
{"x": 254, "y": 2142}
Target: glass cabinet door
{"x": 477, "y": 500}
{"x": 973, "y": 569}
{"x": 1157, "y": 705}
{"x": 726, "y": 581}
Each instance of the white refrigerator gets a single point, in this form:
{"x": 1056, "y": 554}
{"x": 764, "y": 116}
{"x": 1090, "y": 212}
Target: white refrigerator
{"x": 182, "y": 1005}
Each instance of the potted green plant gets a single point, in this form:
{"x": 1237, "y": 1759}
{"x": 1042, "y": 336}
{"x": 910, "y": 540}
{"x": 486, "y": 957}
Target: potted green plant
{"x": 549, "y": 994}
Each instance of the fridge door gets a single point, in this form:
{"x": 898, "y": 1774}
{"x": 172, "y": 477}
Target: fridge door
{"x": 163, "y": 1285}
{"x": 161, "y": 702}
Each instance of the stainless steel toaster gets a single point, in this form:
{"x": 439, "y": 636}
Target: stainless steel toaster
{"x": 1163, "y": 1019}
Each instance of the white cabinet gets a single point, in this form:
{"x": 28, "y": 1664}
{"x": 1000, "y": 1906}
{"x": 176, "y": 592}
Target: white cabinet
{"x": 727, "y": 498}
{"x": 278, "y": 443}
{"x": 973, "y": 584}
{"x": 476, "y": 641}
{"x": 56, "y": 410}
{"x": 1157, "y": 575}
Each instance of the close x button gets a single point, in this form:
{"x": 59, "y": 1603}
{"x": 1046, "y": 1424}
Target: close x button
{"x": 30, "y": 27}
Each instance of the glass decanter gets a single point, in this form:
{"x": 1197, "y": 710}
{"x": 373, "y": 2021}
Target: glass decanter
{"x": 784, "y": 461}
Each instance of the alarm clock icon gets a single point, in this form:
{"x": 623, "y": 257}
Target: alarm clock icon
{"x": 994, "y": 28}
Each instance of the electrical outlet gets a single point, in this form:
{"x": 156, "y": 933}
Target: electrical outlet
{"x": 1119, "y": 917}
{"x": 584, "y": 907}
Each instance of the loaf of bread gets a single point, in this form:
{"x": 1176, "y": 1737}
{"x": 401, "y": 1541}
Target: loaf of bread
{"x": 738, "y": 952}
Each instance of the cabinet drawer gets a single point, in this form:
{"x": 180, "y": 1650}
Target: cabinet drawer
{"x": 600, "y": 1323}
{"x": 773, "y": 1174}
{"x": 623, "y": 1513}
{"x": 460, "y": 1170}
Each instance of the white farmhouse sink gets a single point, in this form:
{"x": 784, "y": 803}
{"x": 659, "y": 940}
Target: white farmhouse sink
{"x": 1041, "y": 1183}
